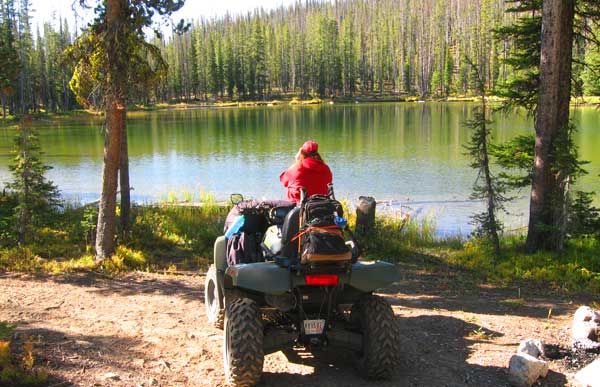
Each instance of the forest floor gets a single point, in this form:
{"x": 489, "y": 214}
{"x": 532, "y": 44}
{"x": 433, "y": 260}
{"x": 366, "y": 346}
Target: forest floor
{"x": 150, "y": 330}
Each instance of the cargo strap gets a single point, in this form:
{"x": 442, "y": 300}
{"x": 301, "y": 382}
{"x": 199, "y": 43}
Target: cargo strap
{"x": 328, "y": 229}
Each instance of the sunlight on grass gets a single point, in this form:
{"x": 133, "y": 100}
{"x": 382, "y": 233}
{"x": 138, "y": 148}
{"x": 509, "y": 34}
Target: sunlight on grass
{"x": 175, "y": 234}
{"x": 481, "y": 334}
{"x": 514, "y": 302}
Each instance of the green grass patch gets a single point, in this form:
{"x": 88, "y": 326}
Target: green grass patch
{"x": 160, "y": 237}
{"x": 512, "y": 302}
{"x": 177, "y": 235}
{"x": 576, "y": 269}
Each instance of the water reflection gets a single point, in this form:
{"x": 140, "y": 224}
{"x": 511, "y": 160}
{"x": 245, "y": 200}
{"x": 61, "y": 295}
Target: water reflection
{"x": 411, "y": 153}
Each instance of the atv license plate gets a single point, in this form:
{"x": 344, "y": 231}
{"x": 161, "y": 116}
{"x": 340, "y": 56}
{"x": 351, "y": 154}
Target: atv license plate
{"x": 313, "y": 327}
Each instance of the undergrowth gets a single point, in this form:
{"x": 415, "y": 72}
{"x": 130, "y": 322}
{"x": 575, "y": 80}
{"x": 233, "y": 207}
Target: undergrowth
{"x": 576, "y": 269}
{"x": 17, "y": 367}
{"x": 161, "y": 237}
{"x": 170, "y": 237}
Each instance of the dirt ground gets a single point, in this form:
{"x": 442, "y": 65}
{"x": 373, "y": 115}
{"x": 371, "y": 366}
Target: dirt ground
{"x": 150, "y": 330}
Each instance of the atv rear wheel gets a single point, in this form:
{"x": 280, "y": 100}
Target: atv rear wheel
{"x": 213, "y": 298}
{"x": 379, "y": 354}
{"x": 243, "y": 353}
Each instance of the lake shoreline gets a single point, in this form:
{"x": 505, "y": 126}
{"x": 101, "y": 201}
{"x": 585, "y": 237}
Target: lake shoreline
{"x": 12, "y": 121}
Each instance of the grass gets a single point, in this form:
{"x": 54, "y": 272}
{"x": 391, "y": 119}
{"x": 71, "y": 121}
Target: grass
{"x": 161, "y": 237}
{"x": 576, "y": 269}
{"x": 481, "y": 334}
{"x": 513, "y": 302}
{"x": 176, "y": 236}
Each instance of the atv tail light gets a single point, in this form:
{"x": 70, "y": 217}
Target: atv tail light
{"x": 322, "y": 279}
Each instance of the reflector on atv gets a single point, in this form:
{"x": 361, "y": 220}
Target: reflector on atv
{"x": 322, "y": 279}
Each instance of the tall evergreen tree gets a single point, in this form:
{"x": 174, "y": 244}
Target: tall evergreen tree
{"x": 485, "y": 187}
{"x": 10, "y": 65}
{"x": 36, "y": 196}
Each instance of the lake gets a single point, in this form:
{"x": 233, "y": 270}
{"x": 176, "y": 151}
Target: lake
{"x": 408, "y": 155}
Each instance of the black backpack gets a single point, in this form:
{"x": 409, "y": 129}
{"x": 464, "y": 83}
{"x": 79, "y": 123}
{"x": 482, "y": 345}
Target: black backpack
{"x": 322, "y": 240}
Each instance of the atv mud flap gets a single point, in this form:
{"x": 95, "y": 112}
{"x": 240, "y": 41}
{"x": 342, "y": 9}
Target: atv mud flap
{"x": 369, "y": 276}
{"x": 262, "y": 277}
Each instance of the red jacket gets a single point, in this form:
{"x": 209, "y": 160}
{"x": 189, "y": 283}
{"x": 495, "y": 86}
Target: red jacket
{"x": 312, "y": 174}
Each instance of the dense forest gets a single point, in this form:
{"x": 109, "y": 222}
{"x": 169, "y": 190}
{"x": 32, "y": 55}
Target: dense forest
{"x": 311, "y": 48}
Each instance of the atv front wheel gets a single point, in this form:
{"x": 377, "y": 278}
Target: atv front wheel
{"x": 213, "y": 298}
{"x": 243, "y": 353}
{"x": 379, "y": 354}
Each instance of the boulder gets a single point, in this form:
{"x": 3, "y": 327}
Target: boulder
{"x": 524, "y": 369}
{"x": 531, "y": 347}
{"x": 585, "y": 331}
{"x": 589, "y": 376}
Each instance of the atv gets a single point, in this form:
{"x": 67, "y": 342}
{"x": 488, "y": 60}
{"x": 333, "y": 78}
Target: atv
{"x": 281, "y": 299}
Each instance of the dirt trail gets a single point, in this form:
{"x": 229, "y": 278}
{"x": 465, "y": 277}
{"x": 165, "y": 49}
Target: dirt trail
{"x": 150, "y": 330}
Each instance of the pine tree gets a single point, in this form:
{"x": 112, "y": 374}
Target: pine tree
{"x": 36, "y": 196}
{"x": 10, "y": 65}
{"x": 349, "y": 58}
{"x": 521, "y": 88}
{"x": 485, "y": 187}
{"x": 591, "y": 73}
{"x": 25, "y": 48}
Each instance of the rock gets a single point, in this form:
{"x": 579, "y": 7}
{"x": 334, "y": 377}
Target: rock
{"x": 589, "y": 376}
{"x": 111, "y": 376}
{"x": 585, "y": 331}
{"x": 531, "y": 347}
{"x": 524, "y": 370}
{"x": 152, "y": 382}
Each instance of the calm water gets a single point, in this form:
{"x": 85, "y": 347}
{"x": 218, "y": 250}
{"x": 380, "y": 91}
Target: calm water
{"x": 410, "y": 153}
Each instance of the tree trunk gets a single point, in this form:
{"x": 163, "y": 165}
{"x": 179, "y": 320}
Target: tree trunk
{"x": 115, "y": 112}
{"x": 552, "y": 118}
{"x": 105, "y": 233}
{"x": 124, "y": 178}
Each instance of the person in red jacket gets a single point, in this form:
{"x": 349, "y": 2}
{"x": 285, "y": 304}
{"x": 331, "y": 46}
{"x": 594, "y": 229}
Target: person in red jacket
{"x": 309, "y": 172}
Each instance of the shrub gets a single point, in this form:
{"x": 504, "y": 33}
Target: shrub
{"x": 124, "y": 260}
{"x": 20, "y": 259}
{"x": 18, "y": 372}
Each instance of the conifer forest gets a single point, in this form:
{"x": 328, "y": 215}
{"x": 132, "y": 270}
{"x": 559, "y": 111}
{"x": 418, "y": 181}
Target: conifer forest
{"x": 312, "y": 48}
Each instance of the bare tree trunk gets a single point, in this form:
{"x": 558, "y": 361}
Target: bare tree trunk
{"x": 105, "y": 233}
{"x": 115, "y": 112}
{"x": 552, "y": 118}
{"x": 124, "y": 178}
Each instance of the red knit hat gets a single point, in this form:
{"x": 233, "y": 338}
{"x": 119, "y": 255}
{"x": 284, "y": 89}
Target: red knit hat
{"x": 310, "y": 147}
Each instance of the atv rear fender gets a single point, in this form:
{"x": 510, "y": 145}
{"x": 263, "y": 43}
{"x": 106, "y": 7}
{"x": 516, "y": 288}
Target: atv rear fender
{"x": 269, "y": 278}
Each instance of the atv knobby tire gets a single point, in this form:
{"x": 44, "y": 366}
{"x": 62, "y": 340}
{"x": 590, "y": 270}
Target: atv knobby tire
{"x": 379, "y": 354}
{"x": 213, "y": 298}
{"x": 243, "y": 353}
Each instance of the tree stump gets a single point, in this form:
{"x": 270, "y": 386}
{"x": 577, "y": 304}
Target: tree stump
{"x": 365, "y": 215}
